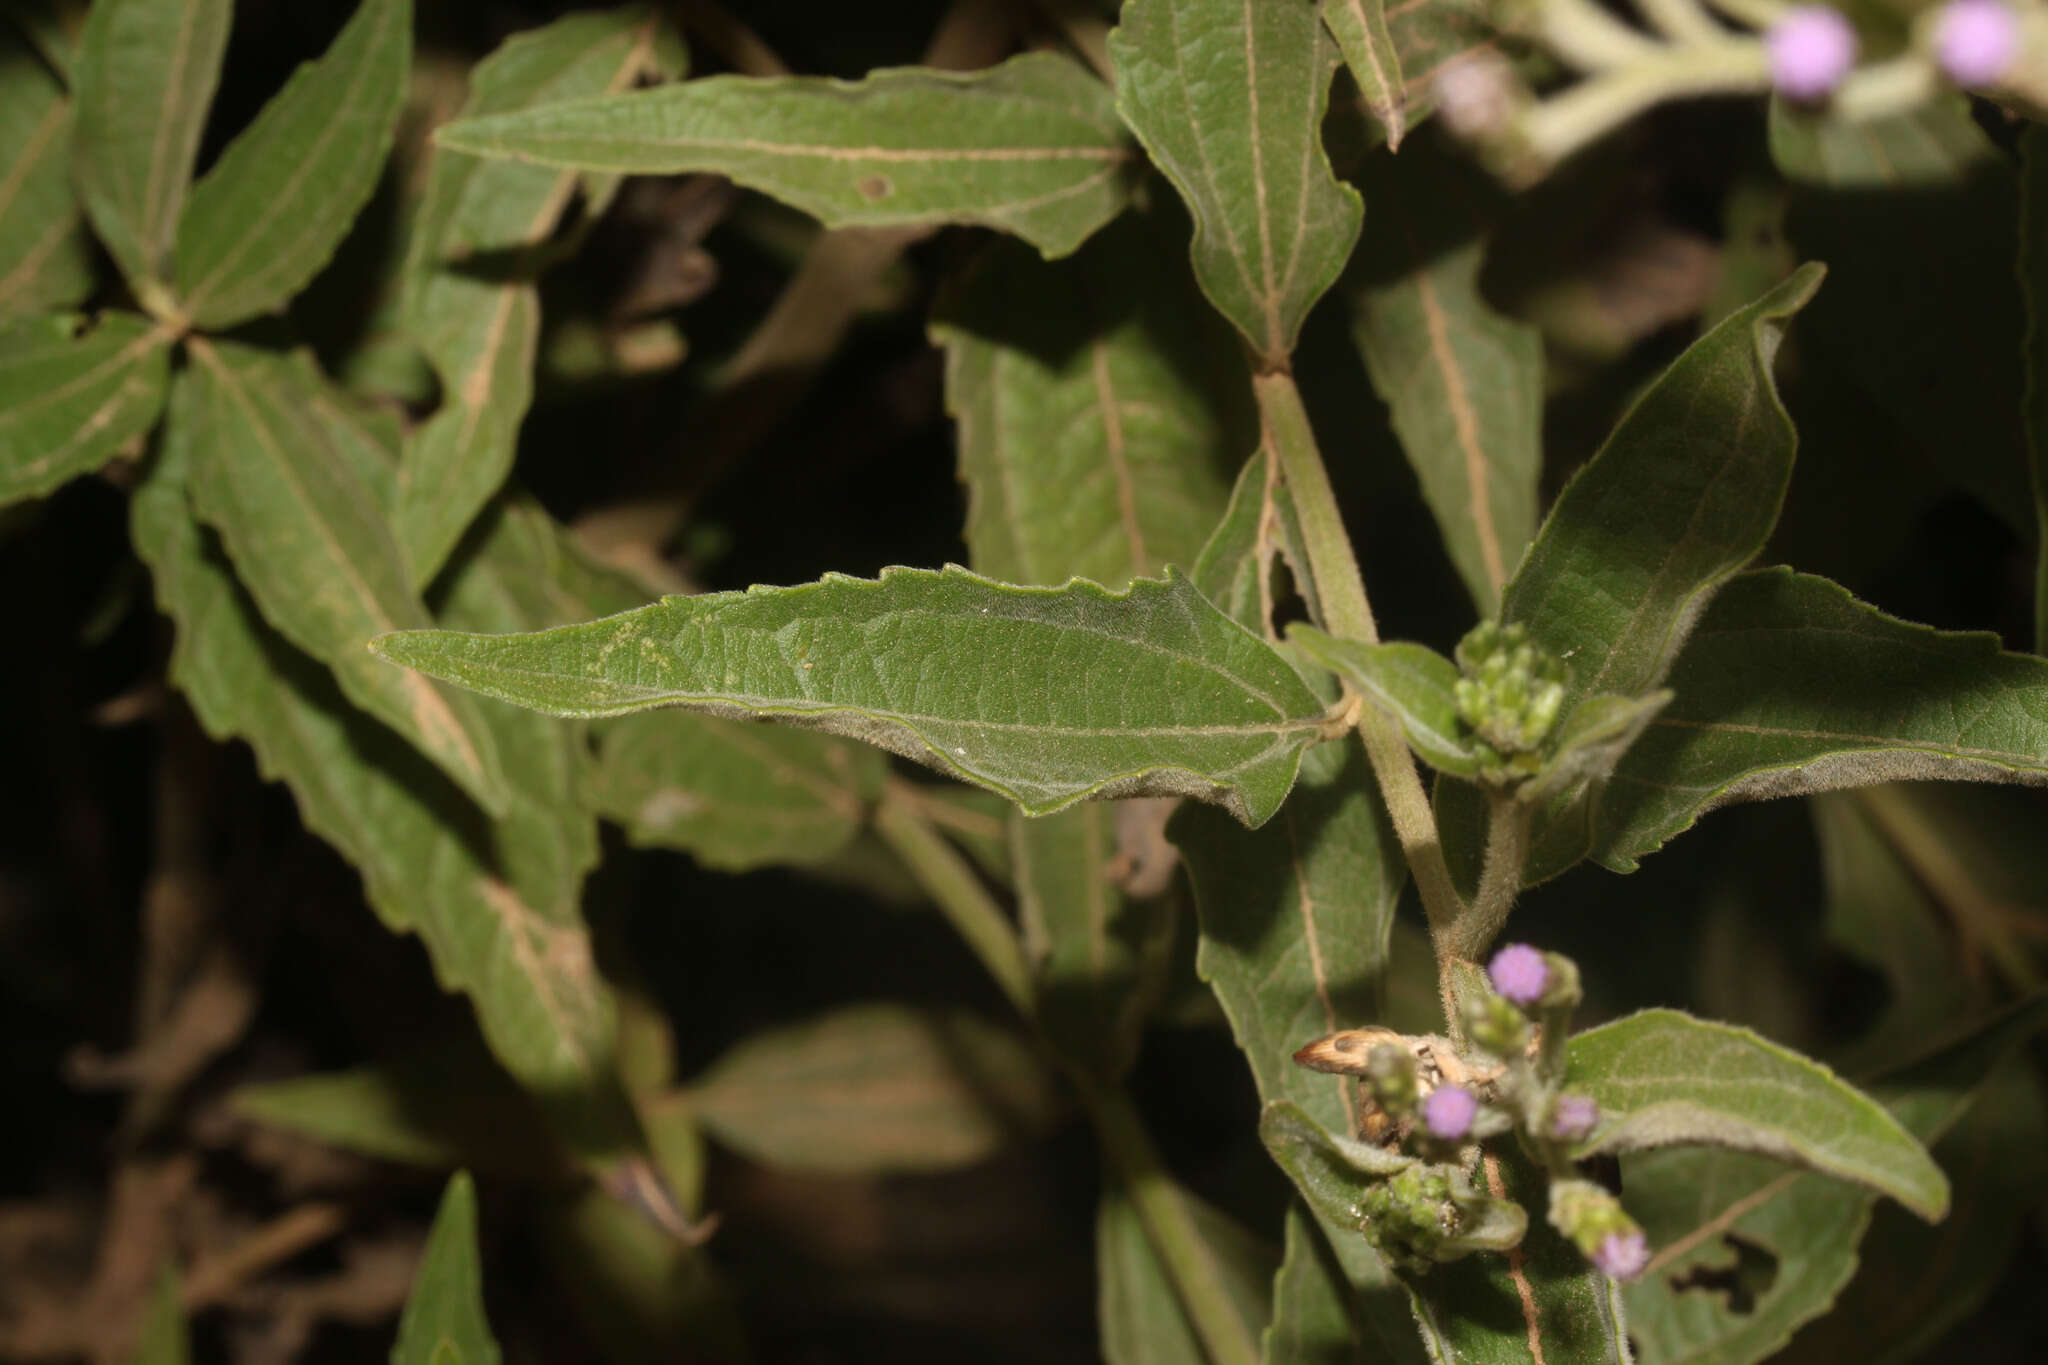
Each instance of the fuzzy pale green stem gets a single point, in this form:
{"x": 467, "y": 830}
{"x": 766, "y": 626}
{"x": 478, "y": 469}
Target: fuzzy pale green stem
{"x": 1599, "y": 104}
{"x": 1348, "y": 614}
{"x": 1682, "y": 21}
{"x": 1190, "y": 1263}
{"x": 1500, "y": 880}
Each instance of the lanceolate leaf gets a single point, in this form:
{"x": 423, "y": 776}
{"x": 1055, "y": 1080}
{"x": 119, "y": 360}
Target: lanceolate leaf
{"x": 1790, "y": 685}
{"x": 1412, "y": 683}
{"x": 444, "y": 1322}
{"x": 270, "y": 212}
{"x": 876, "y": 1088}
{"x": 1143, "y": 1322}
{"x": 1032, "y": 146}
{"x": 1464, "y": 384}
{"x": 1259, "y": 530}
{"x": 734, "y": 794}
{"x": 73, "y": 391}
{"x": 1295, "y": 921}
{"x": 308, "y": 537}
{"x": 1360, "y": 28}
{"x": 1047, "y": 695}
{"x": 1101, "y": 406}
{"x": 1663, "y": 1079}
{"x": 143, "y": 77}
{"x": 45, "y": 260}
{"x": 1935, "y": 144}
{"x": 429, "y": 862}
{"x": 1228, "y": 97}
{"x": 1684, "y": 492}
{"x": 469, "y": 296}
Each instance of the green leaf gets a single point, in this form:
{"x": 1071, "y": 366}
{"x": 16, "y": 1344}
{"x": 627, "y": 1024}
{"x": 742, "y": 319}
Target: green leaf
{"x": 1462, "y": 382}
{"x": 73, "y": 391}
{"x": 1320, "y": 1318}
{"x": 1412, "y": 683}
{"x": 1935, "y": 144}
{"x": 444, "y": 1322}
{"x": 163, "y": 1338}
{"x": 970, "y": 676}
{"x": 45, "y": 259}
{"x": 1360, "y": 28}
{"x": 495, "y": 905}
{"x": 1431, "y": 35}
{"x": 1228, "y": 98}
{"x": 1295, "y": 920}
{"x": 1032, "y": 146}
{"x": 876, "y": 1088}
{"x": 471, "y": 261}
{"x": 734, "y": 794}
{"x": 443, "y": 1108}
{"x": 1592, "y": 739}
{"x": 1790, "y": 686}
{"x": 270, "y": 212}
{"x": 2033, "y": 273}
{"x": 1662, "y": 1078}
{"x": 1098, "y": 956}
{"x": 1100, "y": 405}
{"x": 1142, "y": 1320}
{"x": 1683, "y": 494}
{"x": 309, "y": 538}
{"x": 1259, "y": 529}
{"x": 143, "y": 77}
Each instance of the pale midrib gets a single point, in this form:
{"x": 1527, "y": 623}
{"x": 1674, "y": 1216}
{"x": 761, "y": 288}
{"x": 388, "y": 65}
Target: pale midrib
{"x": 31, "y": 151}
{"x": 1116, "y": 454}
{"x": 514, "y": 916}
{"x": 147, "y": 341}
{"x": 1465, "y": 422}
{"x": 1269, "y": 302}
{"x": 32, "y": 260}
{"x": 2006, "y": 757}
{"x": 1370, "y": 51}
{"x": 156, "y": 217}
{"x": 799, "y": 150}
{"x": 1222, "y": 219}
{"x": 286, "y": 193}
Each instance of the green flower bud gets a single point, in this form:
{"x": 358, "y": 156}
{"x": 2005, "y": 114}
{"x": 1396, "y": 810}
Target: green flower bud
{"x": 1509, "y": 698}
{"x": 1496, "y": 1025}
{"x": 1391, "y": 1073}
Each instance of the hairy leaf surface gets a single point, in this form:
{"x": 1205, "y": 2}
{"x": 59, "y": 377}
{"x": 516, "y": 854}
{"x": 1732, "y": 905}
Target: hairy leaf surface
{"x": 1228, "y": 97}
{"x": 45, "y": 259}
{"x": 73, "y": 391}
{"x": 1046, "y": 695}
{"x": 1032, "y": 146}
{"x": 1360, "y": 28}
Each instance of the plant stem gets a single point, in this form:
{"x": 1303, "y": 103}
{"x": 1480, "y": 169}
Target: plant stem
{"x": 949, "y": 880}
{"x": 1291, "y": 443}
{"x": 1559, "y": 126}
{"x": 1500, "y": 881}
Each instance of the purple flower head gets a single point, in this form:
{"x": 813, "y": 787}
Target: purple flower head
{"x": 1519, "y": 974}
{"x": 1810, "y": 48}
{"x": 1573, "y": 1117}
{"x": 1449, "y": 1111}
{"x": 1976, "y": 41}
{"x": 1622, "y": 1255}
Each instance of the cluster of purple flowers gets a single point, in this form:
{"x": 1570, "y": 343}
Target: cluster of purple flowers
{"x": 1812, "y": 47}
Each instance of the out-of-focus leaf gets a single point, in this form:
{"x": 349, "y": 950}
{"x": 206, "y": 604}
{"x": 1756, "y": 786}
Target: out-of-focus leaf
{"x": 1100, "y": 406}
{"x": 1360, "y": 28}
{"x": 1295, "y": 919}
{"x": 1792, "y": 686}
{"x": 444, "y": 1109}
{"x": 73, "y": 391}
{"x": 45, "y": 259}
{"x": 1143, "y": 1322}
{"x": 1431, "y": 35}
{"x": 1098, "y": 956}
{"x": 495, "y": 905}
{"x": 1229, "y": 98}
{"x": 876, "y": 1088}
{"x": 444, "y": 1322}
{"x": 142, "y": 79}
{"x": 2033, "y": 271}
{"x": 1314, "y": 1319}
{"x": 1463, "y": 383}
{"x": 734, "y": 794}
{"x": 1662, "y": 1078}
{"x": 268, "y": 215}
{"x": 163, "y": 1339}
{"x": 1934, "y": 144}
{"x": 1047, "y": 695}
{"x": 640, "y": 1292}
{"x": 469, "y": 296}
{"x": 1032, "y": 146}
{"x": 310, "y": 540}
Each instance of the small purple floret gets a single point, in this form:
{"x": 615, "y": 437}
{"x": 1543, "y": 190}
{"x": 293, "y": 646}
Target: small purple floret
{"x": 1976, "y": 41}
{"x": 1623, "y": 1256}
{"x": 1574, "y": 1117}
{"x": 1449, "y": 1111}
{"x": 1811, "y": 48}
{"x": 1519, "y": 974}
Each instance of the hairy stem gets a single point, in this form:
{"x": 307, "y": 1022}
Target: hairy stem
{"x": 1127, "y": 1148}
{"x": 1500, "y": 880}
{"x": 1291, "y": 444}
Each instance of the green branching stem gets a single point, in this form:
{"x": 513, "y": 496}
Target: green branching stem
{"x": 1285, "y": 430}
{"x": 1500, "y": 878}
{"x": 950, "y": 881}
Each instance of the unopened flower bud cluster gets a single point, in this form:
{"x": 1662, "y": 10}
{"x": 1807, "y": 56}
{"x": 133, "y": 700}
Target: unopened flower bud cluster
{"x": 1508, "y": 698}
